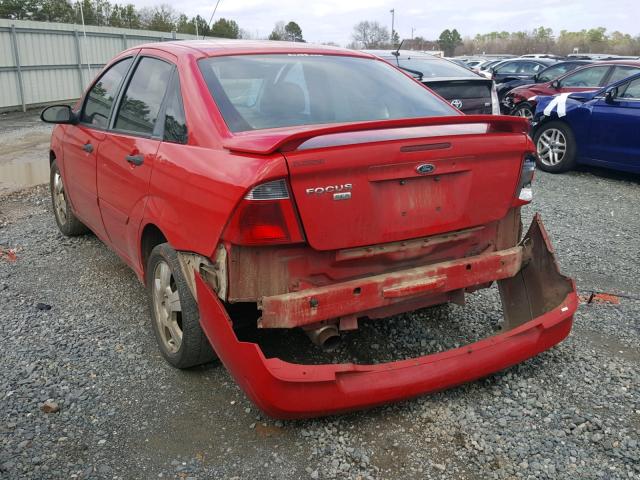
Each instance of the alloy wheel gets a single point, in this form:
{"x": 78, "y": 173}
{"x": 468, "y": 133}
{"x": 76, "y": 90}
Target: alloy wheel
{"x": 59, "y": 200}
{"x": 168, "y": 311}
{"x": 525, "y": 112}
{"x": 552, "y": 146}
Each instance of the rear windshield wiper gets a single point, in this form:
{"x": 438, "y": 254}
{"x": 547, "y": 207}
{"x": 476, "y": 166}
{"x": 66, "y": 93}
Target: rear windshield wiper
{"x": 417, "y": 73}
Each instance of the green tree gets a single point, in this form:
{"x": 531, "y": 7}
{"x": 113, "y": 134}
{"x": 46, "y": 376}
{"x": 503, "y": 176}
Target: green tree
{"x": 88, "y": 12}
{"x": 53, "y": 11}
{"x": 449, "y": 40}
{"x": 225, "y": 29}
{"x": 293, "y": 32}
{"x": 130, "y": 17}
{"x": 17, "y": 9}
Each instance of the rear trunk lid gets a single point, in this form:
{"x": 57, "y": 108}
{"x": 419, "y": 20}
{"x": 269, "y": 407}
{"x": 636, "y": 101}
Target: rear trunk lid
{"x": 357, "y": 185}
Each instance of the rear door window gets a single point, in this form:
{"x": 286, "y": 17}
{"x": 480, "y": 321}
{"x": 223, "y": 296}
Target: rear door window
{"x": 100, "y": 99}
{"x": 175, "y": 124}
{"x": 511, "y": 67}
{"x": 621, "y": 72}
{"x": 141, "y": 101}
{"x": 588, "y": 77}
{"x": 529, "y": 67}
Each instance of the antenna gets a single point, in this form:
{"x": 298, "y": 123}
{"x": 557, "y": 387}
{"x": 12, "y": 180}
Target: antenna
{"x": 212, "y": 14}
{"x": 84, "y": 34}
{"x": 397, "y": 52}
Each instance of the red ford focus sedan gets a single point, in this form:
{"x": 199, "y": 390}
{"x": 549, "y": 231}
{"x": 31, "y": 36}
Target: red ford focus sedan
{"x": 314, "y": 186}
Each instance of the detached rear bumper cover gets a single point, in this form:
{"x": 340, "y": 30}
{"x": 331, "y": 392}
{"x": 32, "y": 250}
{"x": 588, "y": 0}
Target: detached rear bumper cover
{"x": 538, "y": 304}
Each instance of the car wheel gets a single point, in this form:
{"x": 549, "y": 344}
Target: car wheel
{"x": 524, "y": 110}
{"x": 174, "y": 311}
{"x": 556, "y": 147}
{"x": 67, "y": 222}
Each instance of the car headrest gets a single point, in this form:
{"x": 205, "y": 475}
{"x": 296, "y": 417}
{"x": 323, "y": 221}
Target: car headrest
{"x": 283, "y": 99}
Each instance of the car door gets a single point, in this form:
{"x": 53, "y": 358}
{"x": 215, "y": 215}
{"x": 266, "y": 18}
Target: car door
{"x": 81, "y": 143}
{"x": 614, "y": 129}
{"x": 128, "y": 152}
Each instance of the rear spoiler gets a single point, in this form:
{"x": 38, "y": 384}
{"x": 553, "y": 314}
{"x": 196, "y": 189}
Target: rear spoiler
{"x": 264, "y": 142}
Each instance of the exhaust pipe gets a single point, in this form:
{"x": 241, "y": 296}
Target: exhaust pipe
{"x": 326, "y": 337}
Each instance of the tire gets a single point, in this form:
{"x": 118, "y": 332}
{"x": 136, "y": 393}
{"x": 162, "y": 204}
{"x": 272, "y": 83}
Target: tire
{"x": 66, "y": 220}
{"x": 175, "y": 317}
{"x": 524, "y": 110}
{"x": 556, "y": 146}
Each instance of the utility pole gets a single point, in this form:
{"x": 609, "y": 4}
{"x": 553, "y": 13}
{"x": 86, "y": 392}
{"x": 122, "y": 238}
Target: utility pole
{"x": 393, "y": 17}
{"x": 412, "y": 30}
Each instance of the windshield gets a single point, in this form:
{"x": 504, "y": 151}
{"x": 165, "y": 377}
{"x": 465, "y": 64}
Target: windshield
{"x": 432, "y": 67}
{"x": 268, "y": 91}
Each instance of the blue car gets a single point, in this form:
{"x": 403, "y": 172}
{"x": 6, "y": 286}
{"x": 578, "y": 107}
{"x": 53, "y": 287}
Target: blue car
{"x": 600, "y": 128}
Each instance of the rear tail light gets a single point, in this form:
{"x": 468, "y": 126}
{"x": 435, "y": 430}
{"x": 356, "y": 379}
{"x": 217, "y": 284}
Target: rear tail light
{"x": 265, "y": 216}
{"x": 495, "y": 103}
{"x": 525, "y": 193}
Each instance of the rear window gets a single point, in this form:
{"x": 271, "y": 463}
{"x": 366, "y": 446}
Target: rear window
{"x": 435, "y": 68}
{"x": 268, "y": 91}
{"x": 462, "y": 89}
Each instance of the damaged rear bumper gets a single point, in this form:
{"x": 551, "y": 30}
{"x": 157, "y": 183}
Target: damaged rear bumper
{"x": 538, "y": 304}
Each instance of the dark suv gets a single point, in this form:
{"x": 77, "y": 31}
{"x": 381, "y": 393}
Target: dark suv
{"x": 464, "y": 89}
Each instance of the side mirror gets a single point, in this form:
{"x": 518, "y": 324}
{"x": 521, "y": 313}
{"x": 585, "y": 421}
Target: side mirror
{"x": 610, "y": 95}
{"x": 555, "y": 84}
{"x": 58, "y": 114}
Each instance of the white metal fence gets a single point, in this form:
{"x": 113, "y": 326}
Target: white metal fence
{"x": 44, "y": 62}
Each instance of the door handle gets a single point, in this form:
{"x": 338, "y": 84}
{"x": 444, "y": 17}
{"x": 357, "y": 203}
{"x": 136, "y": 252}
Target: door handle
{"x": 87, "y": 147}
{"x": 135, "y": 160}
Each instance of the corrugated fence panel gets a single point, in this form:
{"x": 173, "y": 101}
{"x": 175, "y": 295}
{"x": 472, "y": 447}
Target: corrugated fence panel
{"x": 43, "y": 86}
{"x": 48, "y": 54}
{"x": 99, "y": 49}
{"x": 46, "y": 48}
{"x": 9, "y": 92}
{"x": 6, "y": 52}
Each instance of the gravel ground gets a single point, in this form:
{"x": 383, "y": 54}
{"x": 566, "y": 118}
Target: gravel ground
{"x": 76, "y": 343}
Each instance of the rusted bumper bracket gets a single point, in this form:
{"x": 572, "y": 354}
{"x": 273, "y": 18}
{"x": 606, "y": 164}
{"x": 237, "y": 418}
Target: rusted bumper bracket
{"x": 323, "y": 303}
{"x": 538, "y": 302}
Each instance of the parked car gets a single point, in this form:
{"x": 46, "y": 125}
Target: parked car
{"x": 546, "y": 75}
{"x": 286, "y": 185}
{"x": 484, "y": 67}
{"x": 596, "y": 128}
{"x": 522, "y": 100}
{"x": 514, "y": 69}
{"x": 542, "y": 55}
{"x": 463, "y": 88}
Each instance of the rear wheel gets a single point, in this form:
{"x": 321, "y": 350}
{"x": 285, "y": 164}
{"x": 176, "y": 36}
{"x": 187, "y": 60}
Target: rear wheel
{"x": 524, "y": 110}
{"x": 556, "y": 147}
{"x": 174, "y": 311}
{"x": 67, "y": 222}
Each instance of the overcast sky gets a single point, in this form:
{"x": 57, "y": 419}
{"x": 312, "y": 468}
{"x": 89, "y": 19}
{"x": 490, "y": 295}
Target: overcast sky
{"x": 333, "y": 20}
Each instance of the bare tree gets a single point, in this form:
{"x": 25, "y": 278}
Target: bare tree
{"x": 370, "y": 35}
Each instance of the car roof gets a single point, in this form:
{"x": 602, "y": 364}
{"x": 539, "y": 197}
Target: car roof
{"x": 633, "y": 63}
{"x": 573, "y": 62}
{"x": 223, "y": 46}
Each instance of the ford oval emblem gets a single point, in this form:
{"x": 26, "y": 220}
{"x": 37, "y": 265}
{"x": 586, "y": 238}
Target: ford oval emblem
{"x": 425, "y": 168}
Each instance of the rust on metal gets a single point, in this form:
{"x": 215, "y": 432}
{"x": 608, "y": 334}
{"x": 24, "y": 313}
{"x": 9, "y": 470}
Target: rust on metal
{"x": 333, "y": 301}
